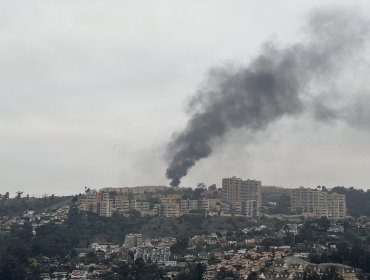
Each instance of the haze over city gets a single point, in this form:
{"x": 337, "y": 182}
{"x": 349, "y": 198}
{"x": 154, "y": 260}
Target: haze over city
{"x": 92, "y": 92}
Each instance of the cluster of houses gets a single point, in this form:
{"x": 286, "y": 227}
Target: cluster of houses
{"x": 96, "y": 260}
{"x": 267, "y": 264}
{"x": 217, "y": 251}
{"x": 35, "y": 218}
{"x": 272, "y": 265}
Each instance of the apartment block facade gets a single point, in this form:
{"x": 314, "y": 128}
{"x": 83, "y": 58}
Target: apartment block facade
{"x": 167, "y": 210}
{"x": 247, "y": 208}
{"x": 105, "y": 203}
{"x": 240, "y": 194}
{"x": 133, "y": 240}
{"x": 319, "y": 202}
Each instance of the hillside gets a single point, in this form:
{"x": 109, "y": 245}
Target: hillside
{"x": 16, "y": 206}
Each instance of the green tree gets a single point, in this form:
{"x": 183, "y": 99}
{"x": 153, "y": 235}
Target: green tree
{"x": 198, "y": 271}
{"x": 252, "y": 276}
{"x": 11, "y": 268}
{"x": 35, "y": 269}
{"x": 184, "y": 275}
{"x": 331, "y": 274}
{"x": 310, "y": 274}
{"x": 180, "y": 245}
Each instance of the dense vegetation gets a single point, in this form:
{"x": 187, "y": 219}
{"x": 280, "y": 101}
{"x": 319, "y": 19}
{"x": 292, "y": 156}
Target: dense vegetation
{"x": 21, "y": 252}
{"x": 15, "y": 206}
{"x": 136, "y": 270}
{"x": 282, "y": 203}
{"x": 358, "y": 201}
{"x": 355, "y": 256}
{"x": 89, "y": 227}
{"x": 350, "y": 247}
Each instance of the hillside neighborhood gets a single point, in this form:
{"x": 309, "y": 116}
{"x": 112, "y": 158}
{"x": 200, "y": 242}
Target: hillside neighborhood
{"x": 245, "y": 244}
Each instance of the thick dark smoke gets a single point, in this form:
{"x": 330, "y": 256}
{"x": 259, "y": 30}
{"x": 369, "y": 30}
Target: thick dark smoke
{"x": 275, "y": 84}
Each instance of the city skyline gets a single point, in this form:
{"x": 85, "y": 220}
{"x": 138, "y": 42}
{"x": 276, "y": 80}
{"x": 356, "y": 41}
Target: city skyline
{"x": 92, "y": 92}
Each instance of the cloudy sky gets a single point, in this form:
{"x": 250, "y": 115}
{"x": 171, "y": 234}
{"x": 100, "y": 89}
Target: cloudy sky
{"x": 91, "y": 92}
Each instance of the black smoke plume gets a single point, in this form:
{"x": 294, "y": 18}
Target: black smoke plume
{"x": 274, "y": 85}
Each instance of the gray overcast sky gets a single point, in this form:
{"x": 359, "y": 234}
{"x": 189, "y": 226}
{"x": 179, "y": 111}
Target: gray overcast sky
{"x": 91, "y": 91}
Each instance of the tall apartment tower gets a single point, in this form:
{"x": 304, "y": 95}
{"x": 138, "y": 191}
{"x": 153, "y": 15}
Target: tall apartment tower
{"x": 235, "y": 190}
{"x": 231, "y": 189}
